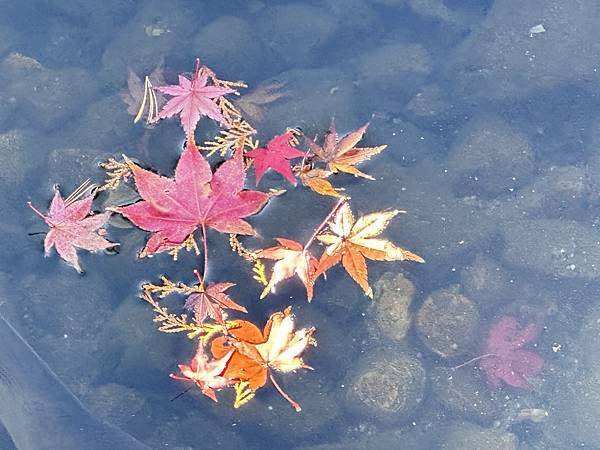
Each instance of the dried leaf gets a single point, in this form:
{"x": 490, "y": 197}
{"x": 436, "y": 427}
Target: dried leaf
{"x": 207, "y": 375}
{"x": 275, "y": 156}
{"x": 292, "y": 259}
{"x": 173, "y": 208}
{"x": 350, "y": 242}
{"x": 343, "y": 155}
{"x": 72, "y": 226}
{"x": 278, "y": 347}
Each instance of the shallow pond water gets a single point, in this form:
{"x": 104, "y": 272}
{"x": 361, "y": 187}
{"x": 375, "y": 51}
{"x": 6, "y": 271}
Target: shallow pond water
{"x": 491, "y": 114}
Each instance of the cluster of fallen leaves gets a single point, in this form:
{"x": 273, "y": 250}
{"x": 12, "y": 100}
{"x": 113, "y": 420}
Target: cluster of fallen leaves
{"x": 199, "y": 199}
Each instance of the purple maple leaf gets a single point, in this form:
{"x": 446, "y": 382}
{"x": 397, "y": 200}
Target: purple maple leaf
{"x": 505, "y": 359}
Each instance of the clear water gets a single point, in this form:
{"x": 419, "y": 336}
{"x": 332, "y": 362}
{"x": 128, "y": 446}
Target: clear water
{"x": 491, "y": 116}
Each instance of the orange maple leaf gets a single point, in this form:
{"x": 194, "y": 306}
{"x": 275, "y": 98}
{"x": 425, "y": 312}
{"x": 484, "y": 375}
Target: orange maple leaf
{"x": 350, "y": 242}
{"x": 278, "y": 347}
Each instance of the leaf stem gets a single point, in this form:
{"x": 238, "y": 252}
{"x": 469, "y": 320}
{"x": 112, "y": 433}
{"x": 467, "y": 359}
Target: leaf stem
{"x": 472, "y": 360}
{"x": 283, "y": 394}
{"x": 205, "y": 255}
{"x": 337, "y": 206}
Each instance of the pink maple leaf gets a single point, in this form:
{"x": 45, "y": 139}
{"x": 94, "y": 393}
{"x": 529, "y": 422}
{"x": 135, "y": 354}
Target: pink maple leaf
{"x": 193, "y": 99}
{"x": 173, "y": 208}
{"x": 72, "y": 227}
{"x": 275, "y": 156}
{"x": 207, "y": 375}
{"x": 505, "y": 360}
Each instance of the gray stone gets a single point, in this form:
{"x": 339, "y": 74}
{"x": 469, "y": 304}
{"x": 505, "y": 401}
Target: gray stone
{"x": 558, "y": 192}
{"x": 390, "y": 312}
{"x": 437, "y": 10}
{"x": 393, "y": 68}
{"x": 239, "y": 56}
{"x": 387, "y": 386}
{"x": 444, "y": 232}
{"x": 487, "y": 283}
{"x": 589, "y": 337}
{"x": 356, "y": 15}
{"x": 429, "y": 102}
{"x": 502, "y": 58}
{"x": 407, "y": 143}
{"x": 72, "y": 166}
{"x": 464, "y": 393}
{"x": 295, "y": 31}
{"x": 473, "y": 437}
{"x": 14, "y": 165}
{"x": 489, "y": 158}
{"x": 331, "y": 90}
{"x": 145, "y": 352}
{"x": 48, "y": 98}
{"x": 107, "y": 125}
{"x": 446, "y": 322}
{"x": 7, "y": 39}
{"x": 573, "y": 415}
{"x": 158, "y": 29}
{"x": 8, "y": 106}
{"x": 555, "y": 247}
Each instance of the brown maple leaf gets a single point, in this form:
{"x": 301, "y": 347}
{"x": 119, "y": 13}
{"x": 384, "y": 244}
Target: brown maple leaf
{"x": 315, "y": 179}
{"x": 210, "y": 301}
{"x": 342, "y": 155}
{"x": 350, "y": 242}
{"x": 277, "y": 347}
{"x": 252, "y": 103}
{"x": 207, "y": 375}
{"x": 292, "y": 259}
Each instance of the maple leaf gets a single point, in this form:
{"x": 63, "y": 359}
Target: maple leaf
{"x": 343, "y": 155}
{"x": 292, "y": 259}
{"x": 353, "y": 241}
{"x": 72, "y": 226}
{"x": 136, "y": 92}
{"x": 252, "y": 103}
{"x": 211, "y": 301}
{"x": 173, "y": 208}
{"x": 315, "y": 179}
{"x": 193, "y": 99}
{"x": 207, "y": 375}
{"x": 504, "y": 359}
{"x": 275, "y": 156}
{"x": 278, "y": 347}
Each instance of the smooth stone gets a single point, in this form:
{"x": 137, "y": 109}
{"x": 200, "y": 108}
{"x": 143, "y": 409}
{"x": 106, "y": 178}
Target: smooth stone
{"x": 489, "y": 158}
{"x": 557, "y": 248}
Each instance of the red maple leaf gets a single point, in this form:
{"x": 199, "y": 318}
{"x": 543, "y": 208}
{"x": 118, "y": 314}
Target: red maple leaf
{"x": 275, "y": 156}
{"x": 292, "y": 259}
{"x": 504, "y": 359}
{"x": 173, "y": 208}
{"x": 72, "y": 227}
{"x": 211, "y": 301}
{"x": 207, "y": 375}
{"x": 193, "y": 99}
